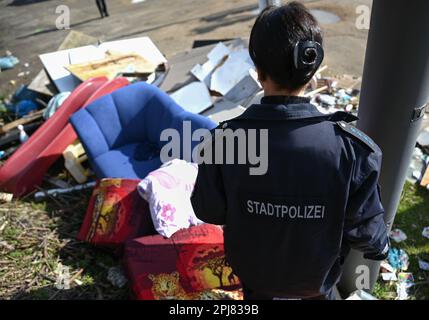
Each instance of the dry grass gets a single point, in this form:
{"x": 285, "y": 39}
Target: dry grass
{"x": 36, "y": 237}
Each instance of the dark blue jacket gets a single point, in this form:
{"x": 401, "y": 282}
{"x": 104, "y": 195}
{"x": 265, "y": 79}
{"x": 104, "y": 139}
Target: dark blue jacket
{"x": 287, "y": 232}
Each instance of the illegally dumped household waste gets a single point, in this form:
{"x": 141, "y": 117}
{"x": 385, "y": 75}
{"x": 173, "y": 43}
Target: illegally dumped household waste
{"x": 8, "y": 61}
{"x": 55, "y": 103}
{"x": 361, "y": 295}
{"x": 168, "y": 191}
{"x": 405, "y": 282}
{"x": 425, "y": 232}
{"x": 221, "y": 86}
{"x": 424, "y": 265}
{"x": 398, "y": 259}
{"x": 393, "y": 269}
{"x": 397, "y": 235}
{"x": 23, "y": 136}
{"x": 116, "y": 277}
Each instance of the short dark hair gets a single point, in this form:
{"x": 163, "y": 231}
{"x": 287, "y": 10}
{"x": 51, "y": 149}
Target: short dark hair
{"x": 274, "y": 36}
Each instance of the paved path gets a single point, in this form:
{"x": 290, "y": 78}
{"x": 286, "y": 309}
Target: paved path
{"x": 27, "y": 28}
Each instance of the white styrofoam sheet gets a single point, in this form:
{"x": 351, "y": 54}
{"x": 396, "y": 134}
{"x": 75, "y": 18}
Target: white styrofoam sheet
{"x": 229, "y": 74}
{"x": 215, "y": 56}
{"x": 55, "y": 62}
{"x": 194, "y": 97}
{"x": 224, "y": 110}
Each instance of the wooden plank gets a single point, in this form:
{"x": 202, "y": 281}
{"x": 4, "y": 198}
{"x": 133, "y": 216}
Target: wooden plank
{"x": 24, "y": 120}
{"x": 312, "y": 93}
{"x": 111, "y": 66}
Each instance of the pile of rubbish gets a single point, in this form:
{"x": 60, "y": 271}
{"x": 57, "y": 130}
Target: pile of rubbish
{"x": 394, "y": 268}
{"x": 217, "y": 80}
{"x": 132, "y": 216}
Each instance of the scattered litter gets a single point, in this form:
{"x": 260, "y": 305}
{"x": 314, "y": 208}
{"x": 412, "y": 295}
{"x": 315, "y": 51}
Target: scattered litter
{"x": 195, "y": 97}
{"x": 23, "y": 136}
{"x": 423, "y": 138}
{"x": 387, "y": 267}
{"x": 169, "y": 203}
{"x": 116, "y": 277}
{"x": 23, "y": 74}
{"x": 229, "y": 75}
{"x": 55, "y": 103}
{"x": 215, "y": 57}
{"x": 74, "y": 156}
{"x": 398, "y": 259}
{"x": 8, "y": 62}
{"x": 423, "y": 265}
{"x": 54, "y": 192}
{"x": 24, "y": 107}
{"x": 417, "y": 175}
{"x": 361, "y": 295}
{"x": 8, "y": 152}
{"x": 397, "y": 235}
{"x": 5, "y": 197}
{"x": 327, "y": 100}
{"x": 349, "y": 108}
{"x": 405, "y": 282}
{"x": 417, "y": 166}
{"x": 389, "y": 276}
{"x": 57, "y": 182}
{"x": 425, "y": 232}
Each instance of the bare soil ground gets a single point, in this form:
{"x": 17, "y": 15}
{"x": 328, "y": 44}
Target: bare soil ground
{"x": 27, "y": 28}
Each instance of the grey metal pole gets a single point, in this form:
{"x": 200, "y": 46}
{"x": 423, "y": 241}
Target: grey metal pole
{"x": 395, "y": 89}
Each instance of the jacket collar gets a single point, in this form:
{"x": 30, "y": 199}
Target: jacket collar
{"x": 290, "y": 108}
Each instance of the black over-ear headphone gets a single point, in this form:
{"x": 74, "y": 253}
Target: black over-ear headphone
{"x": 307, "y": 58}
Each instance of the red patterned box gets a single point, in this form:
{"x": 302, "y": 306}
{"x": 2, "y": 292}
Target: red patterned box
{"x": 188, "y": 266}
{"x": 116, "y": 213}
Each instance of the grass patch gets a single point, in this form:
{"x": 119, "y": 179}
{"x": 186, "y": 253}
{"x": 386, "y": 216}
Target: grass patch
{"x": 36, "y": 238}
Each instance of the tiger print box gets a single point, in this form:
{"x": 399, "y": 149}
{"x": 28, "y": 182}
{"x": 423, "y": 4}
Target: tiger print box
{"x": 188, "y": 266}
{"x": 116, "y": 213}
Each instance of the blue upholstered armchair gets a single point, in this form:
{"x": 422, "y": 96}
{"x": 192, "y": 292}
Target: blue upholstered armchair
{"x": 121, "y": 131}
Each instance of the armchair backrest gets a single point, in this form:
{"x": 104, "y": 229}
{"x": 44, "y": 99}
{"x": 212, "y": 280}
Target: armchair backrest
{"x": 133, "y": 114}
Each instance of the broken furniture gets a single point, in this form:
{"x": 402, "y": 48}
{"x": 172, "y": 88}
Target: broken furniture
{"x": 25, "y": 169}
{"x": 121, "y": 131}
{"x": 116, "y": 213}
{"x": 74, "y": 156}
